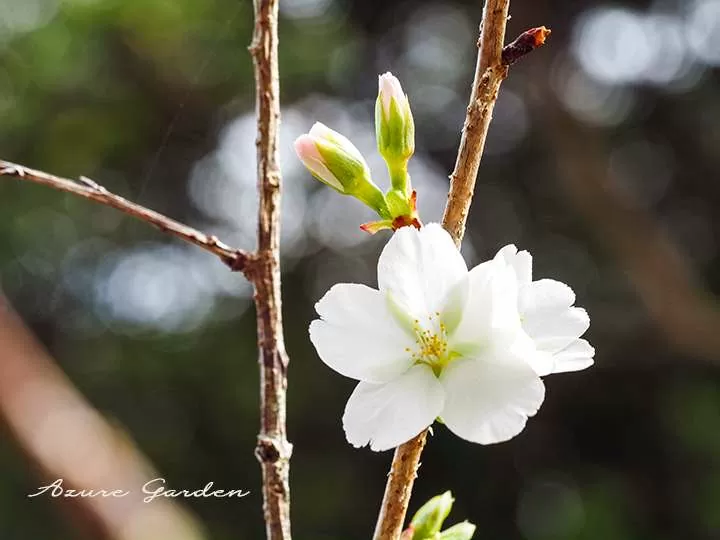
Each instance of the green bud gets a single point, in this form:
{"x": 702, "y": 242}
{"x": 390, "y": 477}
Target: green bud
{"x": 461, "y": 531}
{"x": 394, "y": 129}
{"x": 335, "y": 161}
{"x": 429, "y": 519}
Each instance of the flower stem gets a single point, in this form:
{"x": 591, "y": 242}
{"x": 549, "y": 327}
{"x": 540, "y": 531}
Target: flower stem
{"x": 399, "y": 177}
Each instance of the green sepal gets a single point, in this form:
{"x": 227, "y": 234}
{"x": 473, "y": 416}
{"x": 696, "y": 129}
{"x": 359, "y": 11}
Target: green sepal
{"x": 398, "y": 203}
{"x": 373, "y": 227}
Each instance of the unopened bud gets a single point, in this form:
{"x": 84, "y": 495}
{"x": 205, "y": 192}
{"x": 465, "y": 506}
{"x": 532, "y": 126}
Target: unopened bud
{"x": 394, "y": 128}
{"x": 335, "y": 161}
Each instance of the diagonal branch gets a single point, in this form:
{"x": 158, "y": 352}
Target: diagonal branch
{"x": 273, "y": 449}
{"x": 64, "y": 437}
{"x": 236, "y": 259}
{"x": 490, "y": 71}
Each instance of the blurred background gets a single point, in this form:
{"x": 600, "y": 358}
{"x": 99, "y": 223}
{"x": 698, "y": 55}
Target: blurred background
{"x": 602, "y": 160}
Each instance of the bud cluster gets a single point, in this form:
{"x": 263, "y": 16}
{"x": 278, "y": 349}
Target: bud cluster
{"x": 334, "y": 160}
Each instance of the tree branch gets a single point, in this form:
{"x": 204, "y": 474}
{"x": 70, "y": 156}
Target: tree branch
{"x": 262, "y": 268}
{"x": 490, "y": 72}
{"x": 398, "y": 489}
{"x": 273, "y": 449}
{"x": 236, "y": 259}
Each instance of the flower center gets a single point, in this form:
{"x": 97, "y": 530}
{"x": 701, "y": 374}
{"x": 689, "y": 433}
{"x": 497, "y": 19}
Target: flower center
{"x": 432, "y": 344}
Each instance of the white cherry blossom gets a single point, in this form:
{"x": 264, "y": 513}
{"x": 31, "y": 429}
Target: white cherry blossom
{"x": 438, "y": 341}
{"x": 549, "y": 318}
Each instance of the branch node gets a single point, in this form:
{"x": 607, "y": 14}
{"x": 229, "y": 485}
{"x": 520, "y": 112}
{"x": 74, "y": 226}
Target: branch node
{"x": 272, "y": 449}
{"x": 242, "y": 261}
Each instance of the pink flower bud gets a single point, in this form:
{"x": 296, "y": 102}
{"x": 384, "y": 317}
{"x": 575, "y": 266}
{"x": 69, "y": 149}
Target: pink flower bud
{"x": 335, "y": 161}
{"x": 309, "y": 154}
{"x": 389, "y": 87}
{"x": 394, "y": 128}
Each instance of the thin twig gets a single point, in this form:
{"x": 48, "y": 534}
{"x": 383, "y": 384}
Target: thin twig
{"x": 236, "y": 259}
{"x": 273, "y": 449}
{"x": 489, "y": 73}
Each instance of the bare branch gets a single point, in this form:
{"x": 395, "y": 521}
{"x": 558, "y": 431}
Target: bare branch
{"x": 273, "y": 449}
{"x": 489, "y": 74}
{"x": 262, "y": 268}
{"x": 236, "y": 259}
{"x": 401, "y": 478}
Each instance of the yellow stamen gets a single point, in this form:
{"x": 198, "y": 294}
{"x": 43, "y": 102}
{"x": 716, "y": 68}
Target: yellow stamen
{"x": 432, "y": 345}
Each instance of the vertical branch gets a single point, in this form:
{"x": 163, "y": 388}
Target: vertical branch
{"x": 273, "y": 450}
{"x": 490, "y": 71}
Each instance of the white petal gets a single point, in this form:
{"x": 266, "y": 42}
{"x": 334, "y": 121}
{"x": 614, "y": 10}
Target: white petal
{"x": 358, "y": 337}
{"x": 521, "y": 261}
{"x": 387, "y": 415}
{"x": 542, "y": 362}
{"x": 505, "y": 315}
{"x": 553, "y": 330}
{"x": 490, "y": 314}
{"x": 418, "y": 268}
{"x": 490, "y": 401}
{"x": 546, "y": 294}
{"x": 507, "y": 253}
{"x": 576, "y": 356}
